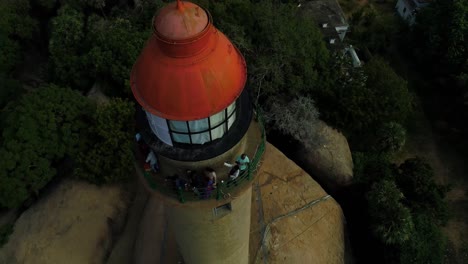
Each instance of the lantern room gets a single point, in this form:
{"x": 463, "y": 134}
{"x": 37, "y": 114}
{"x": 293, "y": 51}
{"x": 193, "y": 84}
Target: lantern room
{"x": 189, "y": 80}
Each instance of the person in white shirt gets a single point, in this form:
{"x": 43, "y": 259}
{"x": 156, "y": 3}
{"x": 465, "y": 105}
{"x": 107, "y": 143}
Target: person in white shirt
{"x": 153, "y": 161}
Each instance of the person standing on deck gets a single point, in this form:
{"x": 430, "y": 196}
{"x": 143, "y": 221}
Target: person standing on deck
{"x": 243, "y": 161}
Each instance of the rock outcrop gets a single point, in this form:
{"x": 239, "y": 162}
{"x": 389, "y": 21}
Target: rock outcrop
{"x": 331, "y": 163}
{"x": 72, "y": 224}
{"x": 293, "y": 219}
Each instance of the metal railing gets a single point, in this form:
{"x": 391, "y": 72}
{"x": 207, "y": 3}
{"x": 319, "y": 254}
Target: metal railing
{"x": 223, "y": 188}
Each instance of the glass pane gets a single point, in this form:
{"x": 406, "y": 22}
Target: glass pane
{"x": 231, "y": 121}
{"x": 217, "y": 132}
{"x": 179, "y": 126}
{"x": 181, "y": 138}
{"x": 201, "y": 138}
{"x": 231, "y": 108}
{"x": 159, "y": 127}
{"x": 217, "y": 119}
{"x": 198, "y": 125}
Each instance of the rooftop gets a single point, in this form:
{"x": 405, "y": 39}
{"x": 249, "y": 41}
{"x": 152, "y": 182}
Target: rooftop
{"x": 188, "y": 70}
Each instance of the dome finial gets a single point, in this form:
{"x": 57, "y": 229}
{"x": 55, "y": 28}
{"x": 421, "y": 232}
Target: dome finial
{"x": 180, "y": 5}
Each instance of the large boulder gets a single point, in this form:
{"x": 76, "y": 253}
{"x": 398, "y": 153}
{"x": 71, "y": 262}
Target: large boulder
{"x": 330, "y": 162}
{"x": 74, "y": 223}
{"x": 293, "y": 219}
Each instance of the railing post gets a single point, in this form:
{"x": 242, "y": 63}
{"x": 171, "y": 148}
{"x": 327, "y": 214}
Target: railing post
{"x": 181, "y": 196}
{"x": 218, "y": 191}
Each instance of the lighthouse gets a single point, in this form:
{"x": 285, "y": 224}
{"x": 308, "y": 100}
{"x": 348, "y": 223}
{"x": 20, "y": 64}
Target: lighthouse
{"x": 196, "y": 114}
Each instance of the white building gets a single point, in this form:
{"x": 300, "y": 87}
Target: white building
{"x": 408, "y": 9}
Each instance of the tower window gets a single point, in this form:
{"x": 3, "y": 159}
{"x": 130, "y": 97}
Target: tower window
{"x": 222, "y": 210}
{"x": 203, "y": 130}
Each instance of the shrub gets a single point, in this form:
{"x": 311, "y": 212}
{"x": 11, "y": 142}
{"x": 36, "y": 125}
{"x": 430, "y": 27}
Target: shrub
{"x": 416, "y": 180}
{"x": 39, "y": 131}
{"x": 426, "y": 245}
{"x": 297, "y": 118}
{"x": 391, "y": 137}
{"x": 108, "y": 157}
{"x": 392, "y": 220}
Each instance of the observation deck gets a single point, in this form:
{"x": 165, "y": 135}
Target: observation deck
{"x": 225, "y": 188}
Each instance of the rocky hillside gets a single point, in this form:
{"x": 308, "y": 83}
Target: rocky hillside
{"x": 73, "y": 224}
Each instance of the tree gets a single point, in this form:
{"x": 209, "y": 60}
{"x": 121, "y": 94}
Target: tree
{"x": 39, "y": 131}
{"x": 392, "y": 221}
{"x": 416, "y": 180}
{"x": 285, "y": 61}
{"x": 389, "y": 92}
{"x": 108, "y": 156}
{"x": 285, "y": 52}
{"x": 348, "y": 90}
{"x": 297, "y": 118}
{"x": 67, "y": 52}
{"x": 15, "y": 19}
{"x": 16, "y": 26}
{"x": 361, "y": 99}
{"x": 391, "y": 137}
{"x": 370, "y": 168}
{"x": 372, "y": 29}
{"x": 116, "y": 46}
{"x": 426, "y": 245}
{"x": 442, "y": 34}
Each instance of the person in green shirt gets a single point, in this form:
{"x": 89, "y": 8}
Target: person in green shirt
{"x": 243, "y": 161}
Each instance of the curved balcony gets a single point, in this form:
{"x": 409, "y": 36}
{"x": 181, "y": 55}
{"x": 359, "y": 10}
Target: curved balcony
{"x": 182, "y": 191}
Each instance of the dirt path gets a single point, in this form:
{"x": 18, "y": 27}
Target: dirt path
{"x": 450, "y": 167}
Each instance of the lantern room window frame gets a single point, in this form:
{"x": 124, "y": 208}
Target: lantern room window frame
{"x": 227, "y": 121}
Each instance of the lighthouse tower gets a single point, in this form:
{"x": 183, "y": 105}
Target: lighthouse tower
{"x": 195, "y": 114}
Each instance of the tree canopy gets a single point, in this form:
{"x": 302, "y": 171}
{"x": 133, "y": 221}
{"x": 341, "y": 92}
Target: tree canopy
{"x": 393, "y": 222}
{"x": 108, "y": 156}
{"x": 39, "y": 130}
{"x": 363, "y": 98}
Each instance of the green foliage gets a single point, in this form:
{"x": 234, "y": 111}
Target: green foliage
{"x": 289, "y": 54}
{"x": 284, "y": 51}
{"x": 416, "y": 179}
{"x": 39, "y": 131}
{"x": 393, "y": 222}
{"x": 116, "y": 46}
{"x": 389, "y": 92}
{"x": 15, "y": 19}
{"x": 47, "y": 5}
{"x": 442, "y": 34}
{"x": 5, "y": 232}
{"x": 363, "y": 98}
{"x": 426, "y": 245}
{"x": 372, "y": 29}
{"x": 343, "y": 104}
{"x": 86, "y": 4}
{"x": 9, "y": 54}
{"x": 69, "y": 68}
{"x": 391, "y": 137}
{"x": 405, "y": 206}
{"x": 142, "y": 14}
{"x": 108, "y": 157}
{"x": 9, "y": 89}
{"x": 370, "y": 168}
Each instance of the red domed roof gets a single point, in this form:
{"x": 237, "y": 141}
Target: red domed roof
{"x": 188, "y": 69}
{"x": 179, "y": 20}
